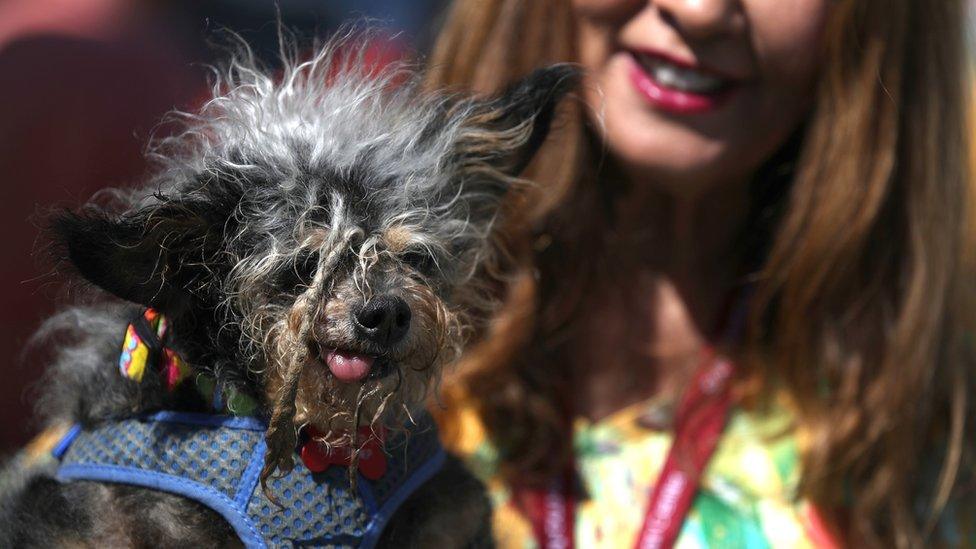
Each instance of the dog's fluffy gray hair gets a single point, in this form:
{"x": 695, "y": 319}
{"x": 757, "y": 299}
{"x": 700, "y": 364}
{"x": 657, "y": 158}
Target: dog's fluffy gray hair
{"x": 351, "y": 172}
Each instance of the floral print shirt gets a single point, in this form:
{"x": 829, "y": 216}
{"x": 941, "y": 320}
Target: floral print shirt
{"x": 747, "y": 496}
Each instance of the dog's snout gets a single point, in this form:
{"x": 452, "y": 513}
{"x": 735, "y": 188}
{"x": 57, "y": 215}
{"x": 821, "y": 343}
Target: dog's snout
{"x": 383, "y": 320}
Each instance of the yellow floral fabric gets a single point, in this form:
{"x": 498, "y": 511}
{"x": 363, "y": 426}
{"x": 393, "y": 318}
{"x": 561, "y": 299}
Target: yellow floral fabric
{"x": 747, "y": 496}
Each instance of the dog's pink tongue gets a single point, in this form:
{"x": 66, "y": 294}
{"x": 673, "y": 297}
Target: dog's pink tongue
{"x": 348, "y": 366}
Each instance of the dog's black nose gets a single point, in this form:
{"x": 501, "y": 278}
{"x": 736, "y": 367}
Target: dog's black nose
{"x": 383, "y": 320}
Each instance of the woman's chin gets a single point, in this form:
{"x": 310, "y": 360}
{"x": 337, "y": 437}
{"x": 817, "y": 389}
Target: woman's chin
{"x": 683, "y": 162}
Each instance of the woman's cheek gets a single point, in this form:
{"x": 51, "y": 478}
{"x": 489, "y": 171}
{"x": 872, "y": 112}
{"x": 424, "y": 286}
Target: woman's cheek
{"x": 788, "y": 39}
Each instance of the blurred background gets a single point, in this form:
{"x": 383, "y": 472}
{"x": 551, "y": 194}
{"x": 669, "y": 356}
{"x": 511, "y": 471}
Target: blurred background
{"x": 83, "y": 84}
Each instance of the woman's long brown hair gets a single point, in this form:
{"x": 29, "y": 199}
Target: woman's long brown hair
{"x": 864, "y": 310}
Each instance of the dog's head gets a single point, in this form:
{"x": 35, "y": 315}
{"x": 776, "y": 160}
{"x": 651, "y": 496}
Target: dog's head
{"x": 313, "y": 237}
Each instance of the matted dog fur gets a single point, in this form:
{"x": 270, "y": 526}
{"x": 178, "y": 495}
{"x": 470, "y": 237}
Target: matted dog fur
{"x": 285, "y": 207}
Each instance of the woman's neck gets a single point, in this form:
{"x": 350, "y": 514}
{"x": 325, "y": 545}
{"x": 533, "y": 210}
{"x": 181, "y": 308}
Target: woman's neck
{"x": 657, "y": 295}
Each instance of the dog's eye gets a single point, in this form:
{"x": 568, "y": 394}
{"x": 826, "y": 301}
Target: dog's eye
{"x": 299, "y": 273}
{"x": 420, "y": 261}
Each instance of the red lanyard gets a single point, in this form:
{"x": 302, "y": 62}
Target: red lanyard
{"x": 699, "y": 423}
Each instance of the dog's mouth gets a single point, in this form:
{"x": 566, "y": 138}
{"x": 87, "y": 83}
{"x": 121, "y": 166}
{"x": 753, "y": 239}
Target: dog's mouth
{"x": 349, "y": 366}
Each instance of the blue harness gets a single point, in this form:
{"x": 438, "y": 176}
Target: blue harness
{"x": 216, "y": 460}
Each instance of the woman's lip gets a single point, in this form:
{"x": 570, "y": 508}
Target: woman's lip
{"x": 682, "y": 62}
{"x": 672, "y": 100}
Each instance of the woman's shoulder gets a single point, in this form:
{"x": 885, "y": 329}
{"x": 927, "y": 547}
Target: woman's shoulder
{"x": 750, "y": 491}
{"x": 758, "y": 453}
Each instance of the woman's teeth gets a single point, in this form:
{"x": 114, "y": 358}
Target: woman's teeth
{"x": 684, "y": 79}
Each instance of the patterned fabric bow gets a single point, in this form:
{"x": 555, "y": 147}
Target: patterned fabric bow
{"x": 318, "y": 456}
{"x": 143, "y": 348}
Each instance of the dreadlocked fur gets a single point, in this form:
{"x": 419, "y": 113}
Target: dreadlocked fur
{"x": 280, "y": 209}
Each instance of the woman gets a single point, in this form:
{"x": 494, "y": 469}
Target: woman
{"x": 784, "y": 182}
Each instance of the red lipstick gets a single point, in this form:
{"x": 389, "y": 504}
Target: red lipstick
{"x": 671, "y": 99}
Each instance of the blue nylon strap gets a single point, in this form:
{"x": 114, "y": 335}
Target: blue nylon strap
{"x": 62, "y": 446}
{"x": 216, "y": 460}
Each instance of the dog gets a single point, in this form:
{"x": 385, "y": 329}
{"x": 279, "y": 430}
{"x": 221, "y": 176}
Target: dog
{"x": 278, "y": 301}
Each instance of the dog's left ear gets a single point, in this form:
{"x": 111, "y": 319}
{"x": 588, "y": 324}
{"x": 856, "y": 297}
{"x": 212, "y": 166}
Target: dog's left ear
{"x": 160, "y": 256}
{"x": 507, "y": 131}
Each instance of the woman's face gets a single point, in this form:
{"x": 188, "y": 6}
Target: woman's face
{"x": 696, "y": 93}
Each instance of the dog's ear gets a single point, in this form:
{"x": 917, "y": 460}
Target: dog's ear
{"x": 159, "y": 256}
{"x": 511, "y": 127}
{"x": 498, "y": 138}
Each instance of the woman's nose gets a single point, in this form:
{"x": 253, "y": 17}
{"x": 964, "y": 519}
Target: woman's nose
{"x": 702, "y": 18}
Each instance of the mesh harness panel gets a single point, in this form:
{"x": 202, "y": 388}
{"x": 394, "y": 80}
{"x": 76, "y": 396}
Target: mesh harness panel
{"x": 216, "y": 461}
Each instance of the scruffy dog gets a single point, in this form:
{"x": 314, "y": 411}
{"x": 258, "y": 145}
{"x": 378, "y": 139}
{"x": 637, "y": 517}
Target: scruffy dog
{"x": 313, "y": 248}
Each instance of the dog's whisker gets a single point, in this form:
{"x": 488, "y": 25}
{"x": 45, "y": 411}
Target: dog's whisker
{"x": 354, "y": 461}
{"x": 406, "y": 411}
